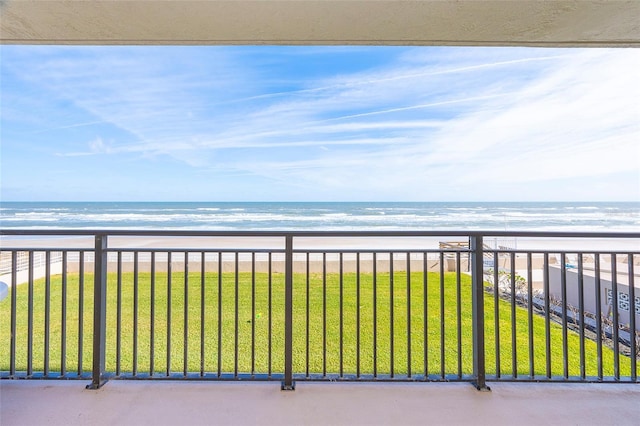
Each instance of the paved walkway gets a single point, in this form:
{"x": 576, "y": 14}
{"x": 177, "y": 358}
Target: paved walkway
{"x": 33, "y": 402}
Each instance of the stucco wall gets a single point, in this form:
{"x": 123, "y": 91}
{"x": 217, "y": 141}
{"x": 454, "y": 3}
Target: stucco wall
{"x": 589, "y": 285}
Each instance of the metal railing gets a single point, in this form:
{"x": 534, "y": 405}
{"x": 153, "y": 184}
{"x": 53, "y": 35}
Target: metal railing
{"x": 292, "y": 311}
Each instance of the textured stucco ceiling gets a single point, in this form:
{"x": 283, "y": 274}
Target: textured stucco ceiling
{"x": 317, "y": 22}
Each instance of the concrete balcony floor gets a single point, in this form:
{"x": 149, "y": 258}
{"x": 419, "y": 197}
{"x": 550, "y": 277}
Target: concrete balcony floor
{"x": 36, "y": 402}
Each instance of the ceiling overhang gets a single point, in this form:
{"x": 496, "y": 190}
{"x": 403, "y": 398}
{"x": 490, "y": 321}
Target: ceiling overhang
{"x": 560, "y": 23}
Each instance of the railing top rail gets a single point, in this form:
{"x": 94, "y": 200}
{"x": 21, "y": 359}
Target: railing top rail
{"x": 315, "y": 234}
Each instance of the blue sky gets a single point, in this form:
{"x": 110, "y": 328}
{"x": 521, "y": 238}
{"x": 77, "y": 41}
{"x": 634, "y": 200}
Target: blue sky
{"x": 256, "y": 123}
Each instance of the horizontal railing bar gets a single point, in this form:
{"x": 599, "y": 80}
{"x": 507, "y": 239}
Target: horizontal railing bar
{"x": 214, "y": 250}
{"x": 318, "y": 234}
{"x": 49, "y": 249}
{"x": 561, "y": 379}
{"x": 385, "y": 377}
{"x": 206, "y": 250}
{"x": 248, "y": 251}
{"x": 53, "y": 375}
{"x": 317, "y": 377}
{"x": 211, "y": 250}
{"x": 560, "y": 250}
{"x": 320, "y": 251}
{"x": 456, "y": 378}
{"x": 384, "y": 251}
{"x": 146, "y": 376}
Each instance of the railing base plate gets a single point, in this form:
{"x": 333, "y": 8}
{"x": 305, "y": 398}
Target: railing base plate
{"x": 93, "y": 386}
{"x": 481, "y": 388}
{"x": 286, "y": 387}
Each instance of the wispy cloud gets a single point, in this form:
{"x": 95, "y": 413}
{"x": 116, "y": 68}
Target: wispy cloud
{"x": 581, "y": 121}
{"x": 69, "y": 126}
{"x": 414, "y": 107}
{"x": 415, "y": 121}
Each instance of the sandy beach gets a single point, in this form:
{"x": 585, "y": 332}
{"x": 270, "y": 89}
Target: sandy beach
{"x": 328, "y": 243}
{"x": 340, "y": 253}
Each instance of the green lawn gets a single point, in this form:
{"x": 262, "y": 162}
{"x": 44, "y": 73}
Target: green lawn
{"x": 254, "y": 315}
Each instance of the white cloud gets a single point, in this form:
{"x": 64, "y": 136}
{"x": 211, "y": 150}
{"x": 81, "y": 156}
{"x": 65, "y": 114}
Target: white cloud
{"x": 430, "y": 122}
{"x": 582, "y": 121}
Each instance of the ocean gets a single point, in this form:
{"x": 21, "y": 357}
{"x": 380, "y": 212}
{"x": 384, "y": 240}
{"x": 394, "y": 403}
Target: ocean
{"x": 318, "y": 216}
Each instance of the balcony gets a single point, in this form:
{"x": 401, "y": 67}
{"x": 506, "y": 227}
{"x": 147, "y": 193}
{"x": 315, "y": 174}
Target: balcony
{"x": 374, "y": 310}
{"x": 241, "y": 403}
